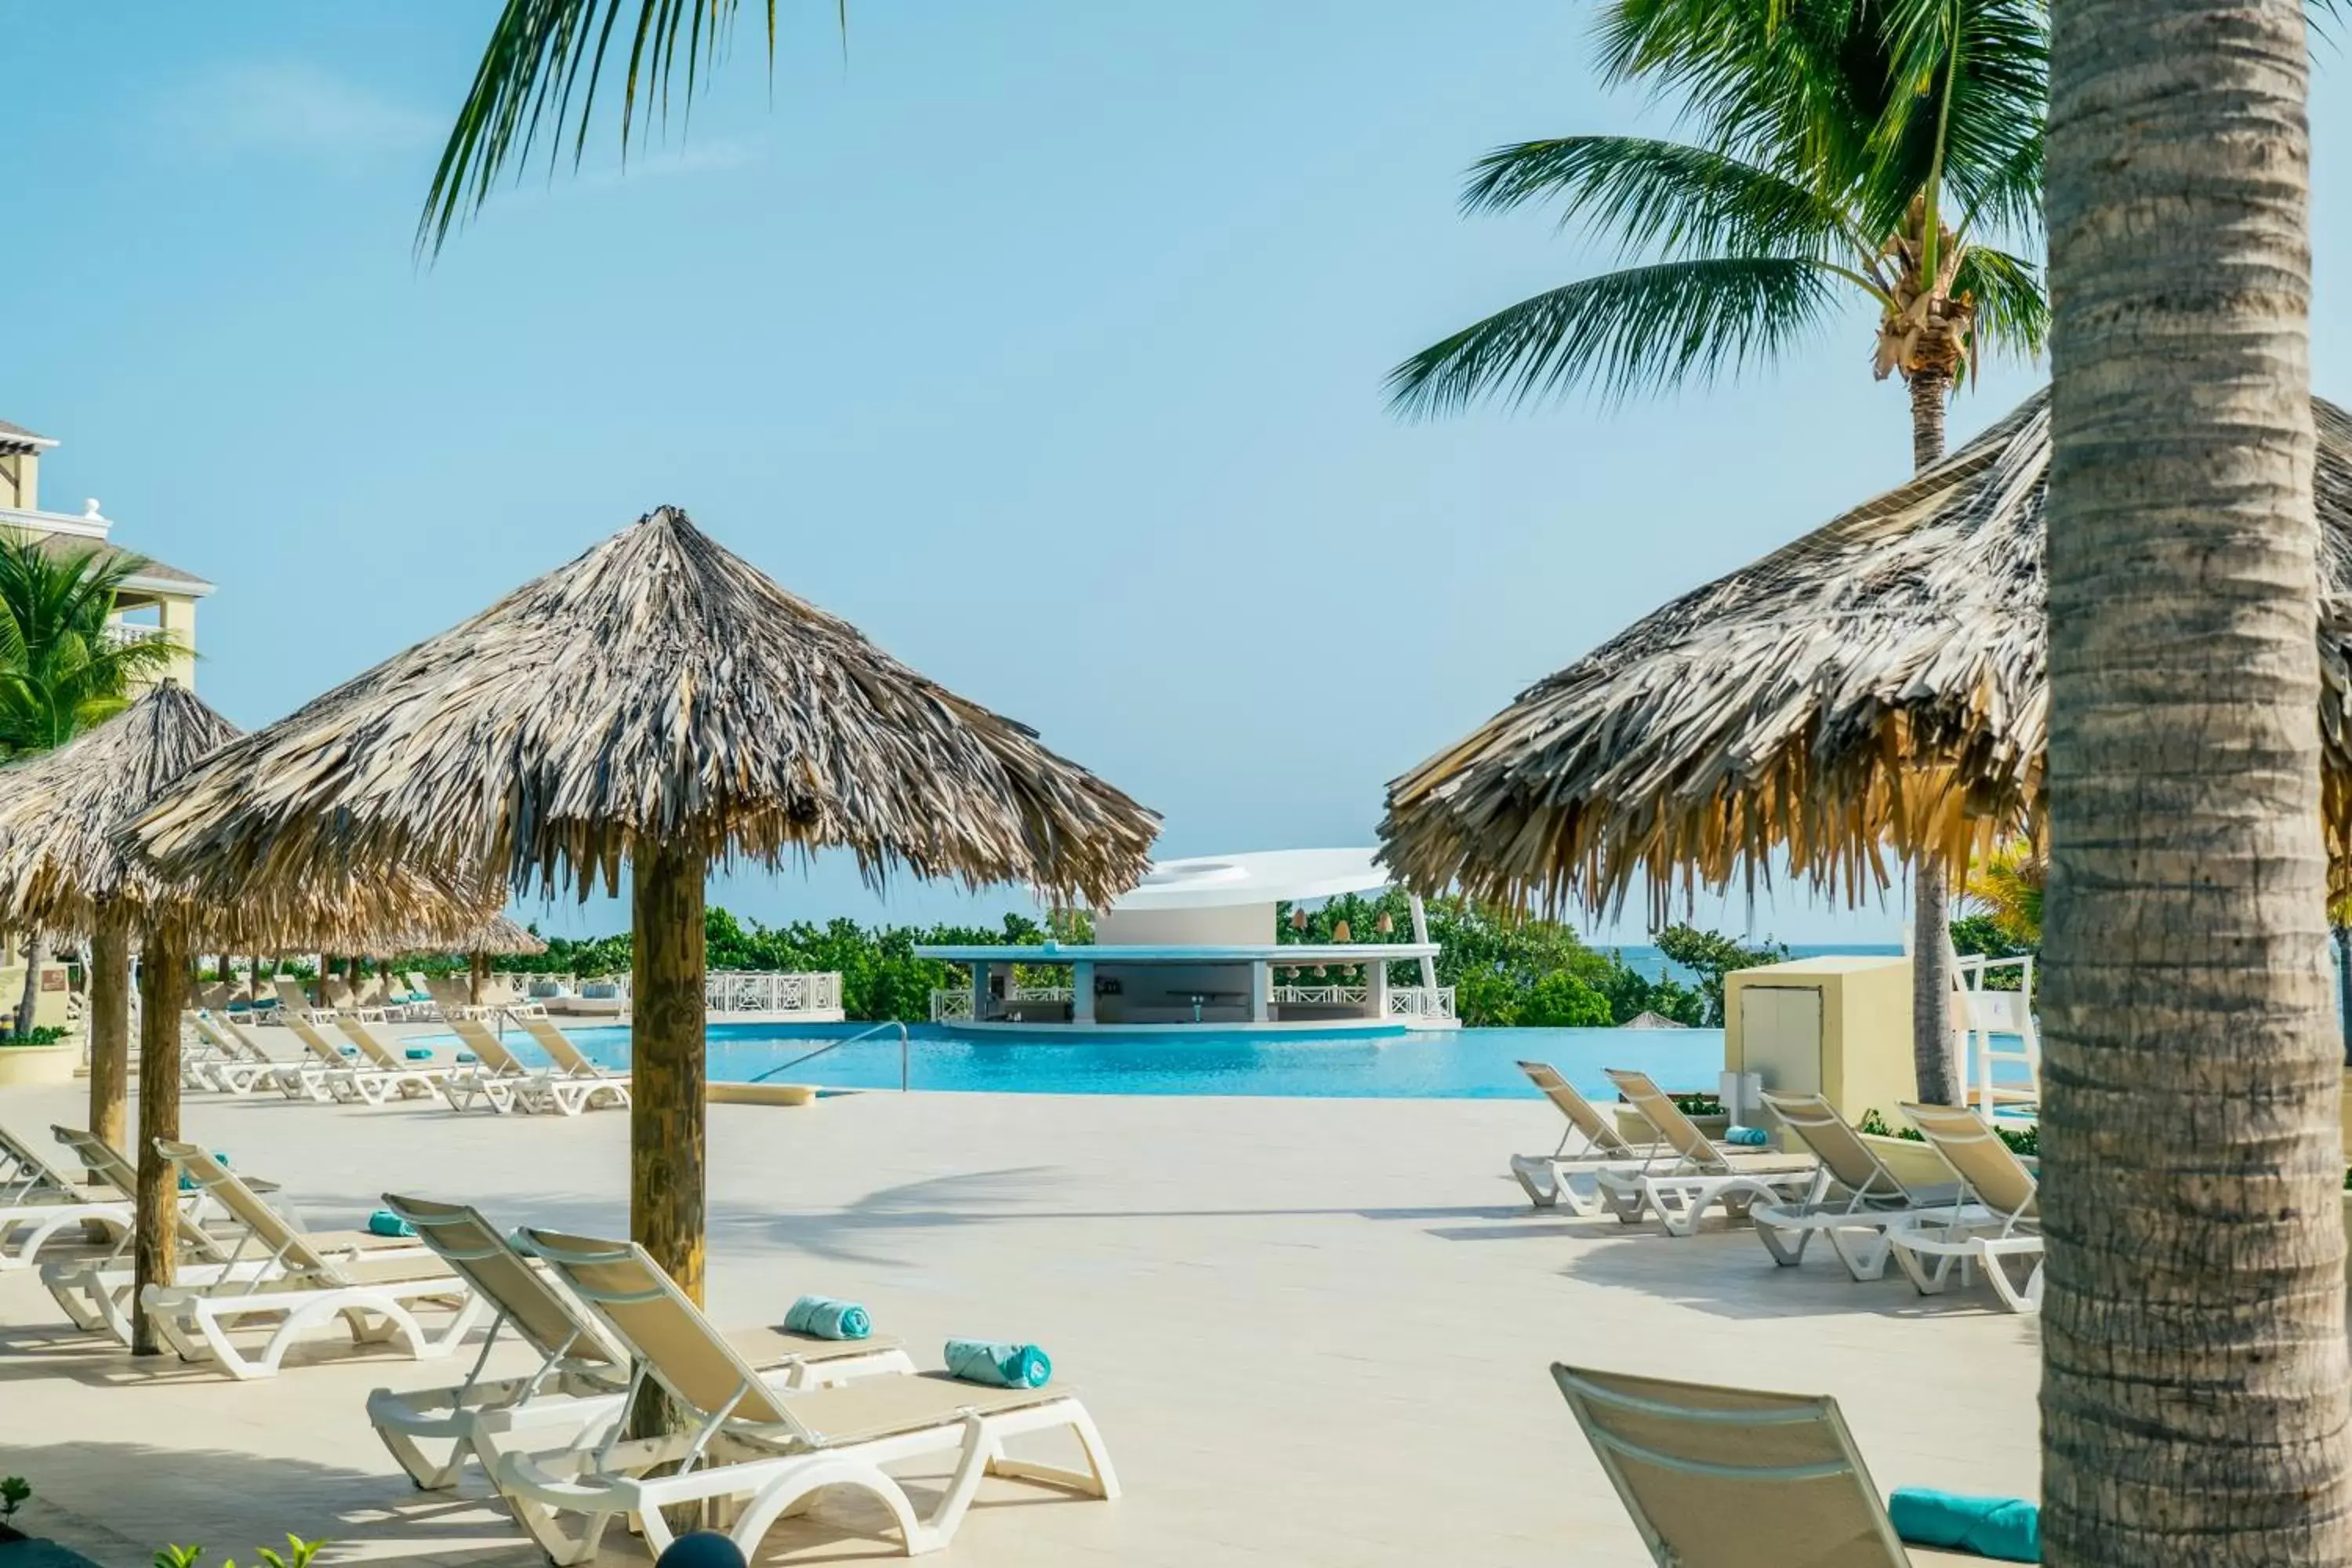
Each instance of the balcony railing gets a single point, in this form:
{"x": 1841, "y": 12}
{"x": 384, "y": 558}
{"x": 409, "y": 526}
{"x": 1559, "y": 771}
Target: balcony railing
{"x": 1431, "y": 1004}
{"x": 86, "y": 524}
{"x": 773, "y": 991}
{"x": 123, "y": 634}
{"x": 1319, "y": 996}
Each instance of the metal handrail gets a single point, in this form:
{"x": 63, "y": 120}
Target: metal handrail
{"x": 850, "y": 1040}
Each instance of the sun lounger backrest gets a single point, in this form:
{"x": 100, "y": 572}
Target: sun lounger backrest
{"x": 290, "y": 994}
{"x": 536, "y": 1310}
{"x": 316, "y": 1043}
{"x": 559, "y": 1048}
{"x": 101, "y": 1159}
{"x": 365, "y": 1038}
{"x": 211, "y": 1032}
{"x": 249, "y": 1046}
{"x": 1730, "y": 1477}
{"x": 1977, "y": 1155}
{"x": 1855, "y": 1163}
{"x": 267, "y": 1227}
{"x": 478, "y": 1039}
{"x": 1598, "y": 1130}
{"x": 660, "y": 1325}
{"x": 24, "y": 1170}
{"x": 1680, "y": 1132}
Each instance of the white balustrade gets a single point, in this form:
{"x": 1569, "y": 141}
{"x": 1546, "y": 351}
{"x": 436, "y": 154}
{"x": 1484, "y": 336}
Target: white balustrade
{"x": 952, "y": 1004}
{"x": 764, "y": 991}
{"x": 1428, "y": 1002}
{"x": 1319, "y": 996}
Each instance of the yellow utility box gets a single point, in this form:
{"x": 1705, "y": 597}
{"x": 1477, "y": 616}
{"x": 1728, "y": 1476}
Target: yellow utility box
{"x": 1839, "y": 1026}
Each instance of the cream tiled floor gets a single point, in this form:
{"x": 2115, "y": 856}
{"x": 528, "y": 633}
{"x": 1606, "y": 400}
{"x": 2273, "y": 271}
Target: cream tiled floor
{"x": 1313, "y": 1331}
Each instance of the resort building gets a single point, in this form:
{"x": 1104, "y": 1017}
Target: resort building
{"x": 158, "y": 601}
{"x": 1195, "y": 943}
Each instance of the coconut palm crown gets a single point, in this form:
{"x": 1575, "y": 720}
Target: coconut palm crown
{"x": 61, "y": 670}
{"x": 1875, "y": 150}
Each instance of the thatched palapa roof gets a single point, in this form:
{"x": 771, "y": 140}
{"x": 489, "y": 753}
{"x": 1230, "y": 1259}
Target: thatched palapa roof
{"x": 497, "y": 937}
{"x": 63, "y": 855}
{"x": 60, "y": 811}
{"x": 1879, "y": 683}
{"x": 657, "y": 691}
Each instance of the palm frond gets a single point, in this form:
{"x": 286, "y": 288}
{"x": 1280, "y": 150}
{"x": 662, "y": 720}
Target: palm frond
{"x": 539, "y": 54}
{"x": 1636, "y": 330}
{"x": 2012, "y": 309}
{"x": 1970, "y": 84}
{"x": 1662, "y": 197}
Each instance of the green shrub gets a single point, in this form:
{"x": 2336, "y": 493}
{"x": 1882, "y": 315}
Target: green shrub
{"x": 1561, "y": 1001}
{"x": 297, "y": 1554}
{"x": 45, "y": 1035}
{"x": 14, "y": 1491}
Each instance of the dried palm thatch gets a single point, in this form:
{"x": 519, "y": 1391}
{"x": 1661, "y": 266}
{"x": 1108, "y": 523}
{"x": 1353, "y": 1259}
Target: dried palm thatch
{"x": 657, "y": 691}
{"x": 497, "y": 937}
{"x": 63, "y": 858}
{"x": 1877, "y": 686}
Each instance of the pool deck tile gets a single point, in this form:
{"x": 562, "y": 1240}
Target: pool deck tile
{"x": 1313, "y": 1331}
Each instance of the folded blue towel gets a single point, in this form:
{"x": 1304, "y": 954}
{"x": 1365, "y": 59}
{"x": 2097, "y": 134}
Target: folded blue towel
{"x": 998, "y": 1366}
{"x": 349, "y": 1050}
{"x": 467, "y": 1058}
{"x": 828, "y": 1318}
{"x": 188, "y": 1185}
{"x": 1746, "y": 1136}
{"x": 384, "y": 1222}
{"x": 418, "y": 1053}
{"x": 2006, "y": 1528}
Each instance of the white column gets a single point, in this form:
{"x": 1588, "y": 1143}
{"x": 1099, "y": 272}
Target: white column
{"x": 1261, "y": 991}
{"x": 1376, "y": 989}
{"x": 1421, "y": 935}
{"x": 1082, "y": 991}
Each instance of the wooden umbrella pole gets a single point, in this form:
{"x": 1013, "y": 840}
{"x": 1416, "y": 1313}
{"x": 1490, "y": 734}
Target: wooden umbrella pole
{"x": 109, "y": 1024}
{"x": 163, "y": 981}
{"x": 666, "y": 1066}
{"x": 478, "y": 976}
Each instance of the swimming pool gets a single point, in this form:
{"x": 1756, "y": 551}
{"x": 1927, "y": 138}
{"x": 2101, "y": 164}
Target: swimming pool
{"x": 1465, "y": 1064}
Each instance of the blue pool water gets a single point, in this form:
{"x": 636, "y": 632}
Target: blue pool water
{"x": 1465, "y": 1064}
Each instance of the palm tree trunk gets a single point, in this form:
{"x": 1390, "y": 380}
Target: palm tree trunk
{"x": 36, "y": 958}
{"x": 1931, "y": 892}
{"x": 162, "y": 987}
{"x": 2196, "y": 1400}
{"x": 666, "y": 1082}
{"x": 109, "y": 1025}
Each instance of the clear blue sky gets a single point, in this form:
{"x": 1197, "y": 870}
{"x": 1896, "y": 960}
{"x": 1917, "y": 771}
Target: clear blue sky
{"x": 1043, "y": 340}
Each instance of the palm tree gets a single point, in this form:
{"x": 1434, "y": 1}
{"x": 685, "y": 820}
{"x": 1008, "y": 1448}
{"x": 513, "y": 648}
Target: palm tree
{"x": 61, "y": 670}
{"x": 1850, "y": 154}
{"x": 2196, "y": 1402}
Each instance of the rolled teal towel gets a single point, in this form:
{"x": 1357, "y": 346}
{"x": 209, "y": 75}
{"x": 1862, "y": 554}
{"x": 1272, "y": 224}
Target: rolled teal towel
{"x": 1746, "y": 1136}
{"x": 2007, "y": 1528}
{"x": 188, "y": 1183}
{"x": 467, "y": 1058}
{"x": 418, "y": 1053}
{"x": 384, "y": 1222}
{"x": 349, "y": 1050}
{"x": 999, "y": 1365}
{"x": 828, "y": 1318}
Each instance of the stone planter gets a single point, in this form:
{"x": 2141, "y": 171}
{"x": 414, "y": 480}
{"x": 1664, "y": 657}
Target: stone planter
{"x": 40, "y": 1064}
{"x": 1635, "y": 1129}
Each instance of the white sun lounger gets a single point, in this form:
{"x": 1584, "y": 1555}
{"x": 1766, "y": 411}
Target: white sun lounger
{"x": 400, "y": 1075}
{"x": 329, "y": 1075}
{"x": 577, "y": 1084}
{"x": 1998, "y": 1220}
{"x": 212, "y": 1243}
{"x": 1550, "y": 1180}
{"x": 1737, "y": 1477}
{"x": 497, "y": 1078}
{"x": 1856, "y": 1202}
{"x": 761, "y": 1453}
{"x": 235, "y": 1063}
{"x": 1687, "y": 1175}
{"x": 39, "y": 1202}
{"x": 582, "y": 1377}
{"x": 376, "y": 1295}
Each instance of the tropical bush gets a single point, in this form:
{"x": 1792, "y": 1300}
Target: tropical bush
{"x": 297, "y": 1554}
{"x": 43, "y": 1035}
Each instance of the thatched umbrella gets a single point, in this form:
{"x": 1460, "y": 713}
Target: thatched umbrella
{"x": 64, "y": 865}
{"x": 61, "y": 867}
{"x": 497, "y": 937}
{"x": 657, "y": 702}
{"x": 1879, "y": 683}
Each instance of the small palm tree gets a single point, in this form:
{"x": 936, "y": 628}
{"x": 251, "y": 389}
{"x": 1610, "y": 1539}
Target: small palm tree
{"x": 1866, "y": 153}
{"x": 1850, "y": 153}
{"x": 61, "y": 668}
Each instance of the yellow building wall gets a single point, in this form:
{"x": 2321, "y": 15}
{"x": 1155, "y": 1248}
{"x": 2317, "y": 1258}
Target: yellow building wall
{"x": 179, "y": 621}
{"x": 20, "y": 480}
{"x": 1864, "y": 1050}
{"x": 50, "y": 1012}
